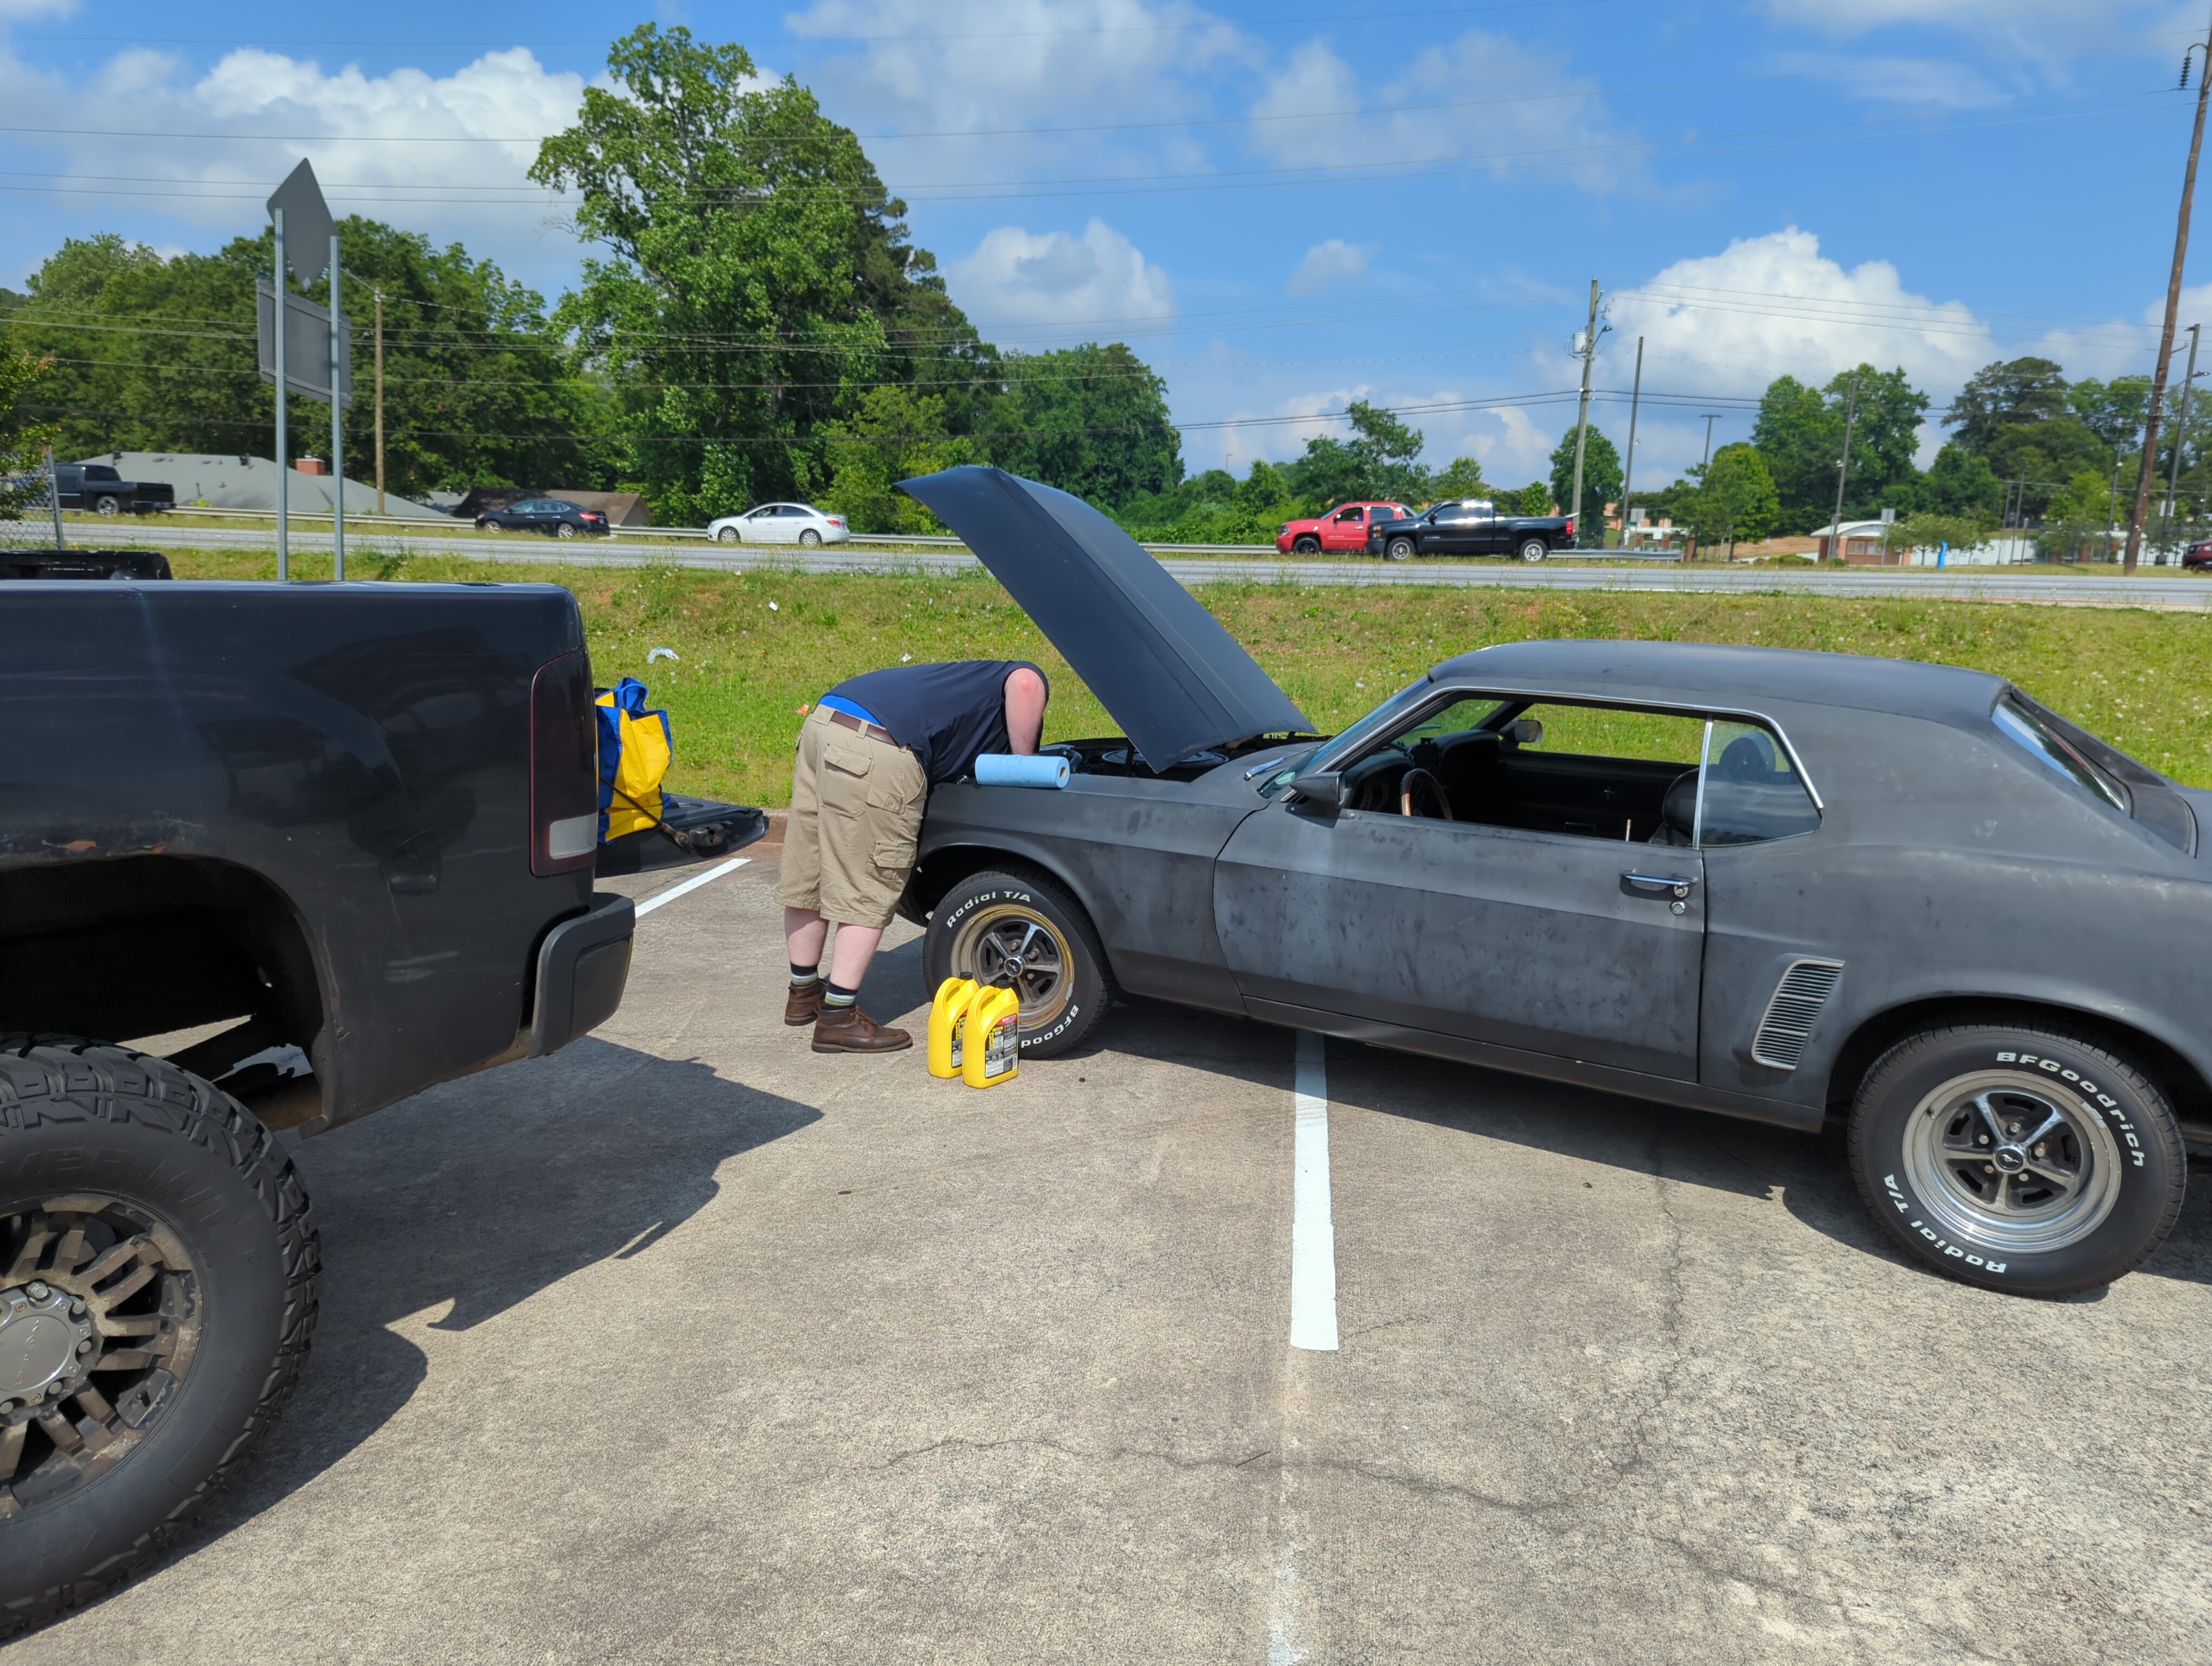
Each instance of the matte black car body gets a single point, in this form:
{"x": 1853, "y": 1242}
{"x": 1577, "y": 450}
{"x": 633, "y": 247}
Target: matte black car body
{"x": 1949, "y": 871}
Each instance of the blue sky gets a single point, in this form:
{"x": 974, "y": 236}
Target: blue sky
{"x": 1282, "y": 209}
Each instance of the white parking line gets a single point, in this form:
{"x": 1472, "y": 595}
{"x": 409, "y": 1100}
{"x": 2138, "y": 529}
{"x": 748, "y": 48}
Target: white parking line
{"x": 693, "y": 884}
{"x": 1313, "y": 1232}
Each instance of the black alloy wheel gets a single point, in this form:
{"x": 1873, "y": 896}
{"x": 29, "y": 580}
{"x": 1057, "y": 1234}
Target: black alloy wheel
{"x": 2017, "y": 1156}
{"x": 1023, "y": 930}
{"x": 1305, "y": 545}
{"x": 158, "y": 1271}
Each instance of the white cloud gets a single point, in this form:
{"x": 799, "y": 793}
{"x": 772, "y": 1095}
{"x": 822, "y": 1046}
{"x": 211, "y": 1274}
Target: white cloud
{"x": 2006, "y": 17}
{"x": 1515, "y": 453}
{"x": 14, "y": 12}
{"x": 1543, "y": 118}
{"x": 440, "y": 177}
{"x": 1730, "y": 323}
{"x": 959, "y": 67}
{"x": 1329, "y": 264}
{"x": 1023, "y": 277}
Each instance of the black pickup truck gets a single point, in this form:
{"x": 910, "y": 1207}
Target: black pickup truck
{"x": 334, "y": 842}
{"x": 1471, "y": 526}
{"x": 98, "y": 487}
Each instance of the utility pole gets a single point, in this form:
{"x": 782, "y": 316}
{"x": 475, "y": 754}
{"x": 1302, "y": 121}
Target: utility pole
{"x": 2173, "y": 308}
{"x": 1708, "y": 461}
{"x": 1628, "y": 467}
{"x": 2180, "y": 431}
{"x": 1844, "y": 470}
{"x": 380, "y": 402}
{"x": 1585, "y": 344}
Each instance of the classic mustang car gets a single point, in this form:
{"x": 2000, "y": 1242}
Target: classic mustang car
{"x": 1794, "y": 887}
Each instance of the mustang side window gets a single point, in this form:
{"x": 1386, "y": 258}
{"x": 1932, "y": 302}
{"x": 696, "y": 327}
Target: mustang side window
{"x": 2025, "y": 726}
{"x": 1749, "y": 790}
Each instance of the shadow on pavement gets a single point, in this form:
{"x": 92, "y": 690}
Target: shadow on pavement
{"x": 480, "y": 1193}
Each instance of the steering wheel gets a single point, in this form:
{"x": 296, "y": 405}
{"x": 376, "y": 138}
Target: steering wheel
{"x": 1418, "y": 783}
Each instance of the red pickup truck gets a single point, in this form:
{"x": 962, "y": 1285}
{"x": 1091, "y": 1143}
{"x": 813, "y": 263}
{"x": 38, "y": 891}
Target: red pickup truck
{"x": 1343, "y": 528}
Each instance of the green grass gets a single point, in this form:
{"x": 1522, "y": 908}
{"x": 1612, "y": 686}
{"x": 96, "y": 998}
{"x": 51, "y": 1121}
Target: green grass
{"x": 755, "y": 647}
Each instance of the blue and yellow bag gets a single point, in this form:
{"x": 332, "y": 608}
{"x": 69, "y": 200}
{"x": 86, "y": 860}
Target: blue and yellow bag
{"x": 635, "y": 751}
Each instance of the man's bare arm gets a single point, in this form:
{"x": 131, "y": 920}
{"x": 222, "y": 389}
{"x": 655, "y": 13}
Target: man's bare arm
{"x": 1025, "y": 697}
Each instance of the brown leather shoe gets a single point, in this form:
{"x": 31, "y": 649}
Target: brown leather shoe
{"x": 848, "y": 1030}
{"x": 805, "y": 1004}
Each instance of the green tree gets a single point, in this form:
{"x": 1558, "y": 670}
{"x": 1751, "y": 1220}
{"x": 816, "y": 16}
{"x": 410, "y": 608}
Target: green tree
{"x": 1091, "y": 420}
{"x": 1461, "y": 477}
{"x": 1380, "y": 460}
{"x": 1800, "y": 432}
{"x": 23, "y": 442}
{"x": 2114, "y": 411}
{"x": 1736, "y": 500}
{"x": 1960, "y": 483}
{"x": 158, "y": 354}
{"x": 1600, "y": 482}
{"x": 1534, "y": 499}
{"x": 895, "y": 434}
{"x": 758, "y": 277}
{"x": 2006, "y": 395}
{"x": 2078, "y": 521}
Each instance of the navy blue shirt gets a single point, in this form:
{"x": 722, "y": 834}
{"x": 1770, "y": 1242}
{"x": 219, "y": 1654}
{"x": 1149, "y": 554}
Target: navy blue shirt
{"x": 946, "y": 715}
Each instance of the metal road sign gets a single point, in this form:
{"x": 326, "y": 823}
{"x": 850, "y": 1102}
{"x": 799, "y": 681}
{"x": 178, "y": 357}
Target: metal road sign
{"x": 308, "y": 227}
{"x": 306, "y": 344}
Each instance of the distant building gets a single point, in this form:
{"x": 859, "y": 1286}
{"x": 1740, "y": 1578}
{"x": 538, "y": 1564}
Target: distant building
{"x": 1859, "y": 541}
{"x": 207, "y": 482}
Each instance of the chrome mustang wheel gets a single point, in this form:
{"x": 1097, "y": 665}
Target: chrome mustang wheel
{"x": 1024, "y": 931}
{"x": 2004, "y": 1163}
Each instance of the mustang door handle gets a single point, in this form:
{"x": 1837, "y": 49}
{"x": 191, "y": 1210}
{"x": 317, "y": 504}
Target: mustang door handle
{"x": 1677, "y": 884}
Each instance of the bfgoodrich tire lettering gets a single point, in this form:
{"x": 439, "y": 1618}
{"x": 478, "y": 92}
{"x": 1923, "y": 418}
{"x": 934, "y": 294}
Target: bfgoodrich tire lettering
{"x": 2017, "y": 1157}
{"x": 1019, "y": 928}
{"x": 174, "y": 1224}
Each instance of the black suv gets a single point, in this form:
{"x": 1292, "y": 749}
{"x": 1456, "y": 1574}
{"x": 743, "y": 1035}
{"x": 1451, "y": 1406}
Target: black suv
{"x": 549, "y": 515}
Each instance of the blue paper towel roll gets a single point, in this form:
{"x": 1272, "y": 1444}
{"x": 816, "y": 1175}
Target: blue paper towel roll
{"x": 1007, "y": 770}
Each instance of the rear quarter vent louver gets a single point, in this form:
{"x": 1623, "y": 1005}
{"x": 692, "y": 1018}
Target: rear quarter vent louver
{"x": 1793, "y": 1010}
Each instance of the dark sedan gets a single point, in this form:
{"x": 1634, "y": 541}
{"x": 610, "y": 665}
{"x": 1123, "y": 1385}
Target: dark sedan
{"x": 549, "y": 515}
{"x": 1807, "y": 889}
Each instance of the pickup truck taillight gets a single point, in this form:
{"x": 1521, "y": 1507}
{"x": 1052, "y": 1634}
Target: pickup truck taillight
{"x": 1571, "y": 519}
{"x": 564, "y": 767}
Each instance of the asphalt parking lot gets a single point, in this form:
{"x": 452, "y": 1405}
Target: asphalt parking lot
{"x": 688, "y": 1345}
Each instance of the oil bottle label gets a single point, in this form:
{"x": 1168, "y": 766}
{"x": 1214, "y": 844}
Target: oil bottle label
{"x": 1002, "y": 1046}
{"x": 959, "y": 1028}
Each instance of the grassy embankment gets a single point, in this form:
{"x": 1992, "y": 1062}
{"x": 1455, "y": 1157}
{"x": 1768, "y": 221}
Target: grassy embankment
{"x": 754, "y": 646}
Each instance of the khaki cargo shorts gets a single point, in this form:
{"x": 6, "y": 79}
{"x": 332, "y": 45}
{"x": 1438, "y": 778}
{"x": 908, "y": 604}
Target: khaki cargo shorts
{"x": 856, "y": 806}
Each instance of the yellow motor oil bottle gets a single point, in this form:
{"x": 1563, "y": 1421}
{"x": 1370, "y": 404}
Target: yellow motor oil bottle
{"x": 993, "y": 1042}
{"x": 947, "y": 1013}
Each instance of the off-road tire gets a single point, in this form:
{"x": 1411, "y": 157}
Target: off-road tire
{"x": 79, "y": 1118}
{"x": 1535, "y": 549}
{"x": 1078, "y": 1008}
{"x": 1305, "y": 545}
{"x": 2119, "y": 1136}
{"x": 1398, "y": 548}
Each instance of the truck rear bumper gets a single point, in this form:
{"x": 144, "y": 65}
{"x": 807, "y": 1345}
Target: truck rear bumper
{"x": 582, "y": 965}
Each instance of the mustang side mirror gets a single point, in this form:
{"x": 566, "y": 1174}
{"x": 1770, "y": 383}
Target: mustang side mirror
{"x": 1322, "y": 791}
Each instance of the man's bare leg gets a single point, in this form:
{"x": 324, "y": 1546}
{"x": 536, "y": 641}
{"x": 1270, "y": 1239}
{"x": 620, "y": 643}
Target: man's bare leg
{"x": 804, "y": 931}
{"x": 856, "y": 947}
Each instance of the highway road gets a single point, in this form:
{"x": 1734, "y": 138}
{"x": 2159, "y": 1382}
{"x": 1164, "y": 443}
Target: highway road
{"x": 2006, "y": 584}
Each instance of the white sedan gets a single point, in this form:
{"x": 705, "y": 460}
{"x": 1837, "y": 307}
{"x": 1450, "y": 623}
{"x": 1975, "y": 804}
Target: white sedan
{"x": 780, "y": 523}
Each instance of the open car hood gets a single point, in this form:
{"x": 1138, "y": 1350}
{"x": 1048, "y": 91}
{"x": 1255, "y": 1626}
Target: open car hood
{"x": 1162, "y": 666}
